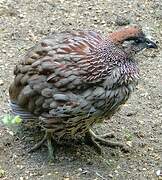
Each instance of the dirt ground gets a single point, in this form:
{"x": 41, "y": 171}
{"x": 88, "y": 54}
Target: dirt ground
{"x": 138, "y": 124}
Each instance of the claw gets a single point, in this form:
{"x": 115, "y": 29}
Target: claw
{"x": 91, "y": 138}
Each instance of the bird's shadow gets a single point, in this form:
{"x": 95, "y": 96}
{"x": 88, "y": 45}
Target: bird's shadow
{"x": 72, "y": 151}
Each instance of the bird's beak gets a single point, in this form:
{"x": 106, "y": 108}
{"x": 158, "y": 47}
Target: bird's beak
{"x": 151, "y": 44}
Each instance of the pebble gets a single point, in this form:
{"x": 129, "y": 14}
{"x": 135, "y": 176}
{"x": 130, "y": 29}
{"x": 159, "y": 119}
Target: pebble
{"x": 122, "y": 21}
{"x": 159, "y": 173}
{"x": 67, "y": 177}
{"x": 110, "y": 175}
{"x": 80, "y": 169}
{"x": 129, "y": 143}
{"x": 1, "y": 82}
{"x": 4, "y": 51}
{"x": 21, "y": 16}
{"x": 20, "y": 166}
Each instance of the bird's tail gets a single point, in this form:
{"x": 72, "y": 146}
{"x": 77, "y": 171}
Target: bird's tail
{"x": 19, "y": 111}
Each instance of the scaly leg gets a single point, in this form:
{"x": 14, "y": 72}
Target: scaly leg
{"x": 47, "y": 137}
{"x": 91, "y": 139}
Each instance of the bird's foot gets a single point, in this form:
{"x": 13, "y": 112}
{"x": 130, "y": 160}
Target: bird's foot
{"x": 47, "y": 137}
{"x": 91, "y": 139}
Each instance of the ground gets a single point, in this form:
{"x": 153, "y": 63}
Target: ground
{"x": 138, "y": 124}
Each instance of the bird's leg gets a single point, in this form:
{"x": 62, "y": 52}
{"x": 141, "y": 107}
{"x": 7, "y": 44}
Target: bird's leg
{"x": 89, "y": 140}
{"x": 47, "y": 137}
{"x": 91, "y": 135}
{"x": 39, "y": 144}
{"x": 50, "y": 147}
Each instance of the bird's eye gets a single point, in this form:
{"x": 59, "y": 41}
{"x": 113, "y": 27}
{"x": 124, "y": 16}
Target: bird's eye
{"x": 148, "y": 43}
{"x": 139, "y": 40}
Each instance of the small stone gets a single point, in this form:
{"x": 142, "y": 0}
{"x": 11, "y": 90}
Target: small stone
{"x": 85, "y": 172}
{"x": 4, "y": 51}
{"x": 21, "y": 16}
{"x": 110, "y": 175}
{"x": 20, "y": 166}
{"x": 160, "y": 115}
{"x": 89, "y": 162}
{"x": 158, "y": 172}
{"x": 116, "y": 172}
{"x": 129, "y": 143}
{"x": 122, "y": 21}
{"x": 67, "y": 177}
{"x": 80, "y": 169}
{"x": 11, "y": 133}
{"x": 1, "y": 82}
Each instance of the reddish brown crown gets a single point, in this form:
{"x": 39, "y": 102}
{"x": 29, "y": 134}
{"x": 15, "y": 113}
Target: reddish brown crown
{"x": 120, "y": 36}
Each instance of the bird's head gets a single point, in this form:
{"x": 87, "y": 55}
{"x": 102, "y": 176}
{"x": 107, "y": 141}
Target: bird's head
{"x": 134, "y": 36}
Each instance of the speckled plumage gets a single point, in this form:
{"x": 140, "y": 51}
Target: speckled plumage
{"x": 71, "y": 80}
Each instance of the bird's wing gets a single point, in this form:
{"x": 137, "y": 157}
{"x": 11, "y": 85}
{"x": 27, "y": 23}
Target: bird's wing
{"x": 54, "y": 74}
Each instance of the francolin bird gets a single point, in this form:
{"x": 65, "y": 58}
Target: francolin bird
{"x": 71, "y": 80}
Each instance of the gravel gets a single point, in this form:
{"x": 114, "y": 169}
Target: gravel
{"x": 138, "y": 124}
